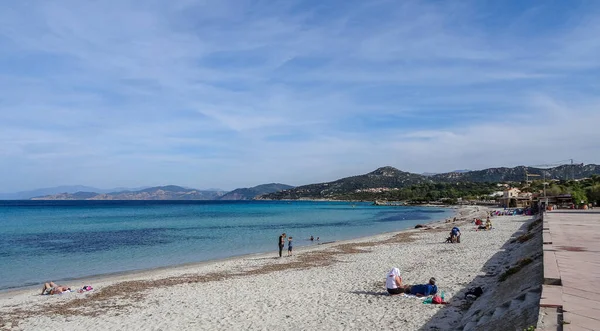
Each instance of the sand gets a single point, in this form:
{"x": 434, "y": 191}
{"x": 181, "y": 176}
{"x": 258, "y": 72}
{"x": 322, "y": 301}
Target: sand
{"x": 337, "y": 286}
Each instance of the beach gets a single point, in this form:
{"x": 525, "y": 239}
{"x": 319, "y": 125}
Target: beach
{"x": 335, "y": 286}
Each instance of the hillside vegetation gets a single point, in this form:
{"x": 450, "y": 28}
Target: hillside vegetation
{"x": 252, "y": 192}
{"x": 388, "y": 183}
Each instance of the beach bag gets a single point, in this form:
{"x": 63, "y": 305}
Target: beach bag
{"x": 437, "y": 299}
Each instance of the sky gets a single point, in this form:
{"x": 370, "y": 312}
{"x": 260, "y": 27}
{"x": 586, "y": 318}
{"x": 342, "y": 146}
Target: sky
{"x": 226, "y": 94}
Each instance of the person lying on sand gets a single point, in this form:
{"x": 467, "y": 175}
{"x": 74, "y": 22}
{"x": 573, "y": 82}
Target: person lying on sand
{"x": 52, "y": 288}
{"x": 422, "y": 290}
{"x": 393, "y": 282}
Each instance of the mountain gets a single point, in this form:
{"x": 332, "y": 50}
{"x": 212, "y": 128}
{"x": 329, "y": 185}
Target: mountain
{"x": 385, "y": 177}
{"x": 169, "y": 192}
{"x": 517, "y": 174}
{"x": 429, "y": 174}
{"x": 389, "y": 178}
{"x": 46, "y": 191}
{"x": 252, "y": 192}
{"x": 23, "y": 195}
{"x": 437, "y": 173}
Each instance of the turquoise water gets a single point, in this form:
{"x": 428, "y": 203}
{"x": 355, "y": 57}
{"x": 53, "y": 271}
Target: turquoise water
{"x": 61, "y": 240}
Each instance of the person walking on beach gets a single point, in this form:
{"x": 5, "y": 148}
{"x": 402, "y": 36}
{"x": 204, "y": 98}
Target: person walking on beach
{"x": 290, "y": 246}
{"x": 281, "y": 243}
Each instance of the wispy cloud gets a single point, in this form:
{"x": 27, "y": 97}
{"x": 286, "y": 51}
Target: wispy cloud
{"x": 238, "y": 93}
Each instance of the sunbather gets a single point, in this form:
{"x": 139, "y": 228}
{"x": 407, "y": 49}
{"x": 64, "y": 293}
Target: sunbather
{"x": 422, "y": 290}
{"x": 52, "y": 288}
{"x": 488, "y": 224}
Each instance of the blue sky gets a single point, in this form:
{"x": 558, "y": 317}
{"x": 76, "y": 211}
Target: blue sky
{"x": 239, "y": 93}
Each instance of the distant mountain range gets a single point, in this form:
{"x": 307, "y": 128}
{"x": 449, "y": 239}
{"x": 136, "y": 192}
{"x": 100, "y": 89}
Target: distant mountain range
{"x": 23, "y": 195}
{"x": 517, "y": 174}
{"x": 437, "y": 173}
{"x": 392, "y": 178}
{"x": 382, "y": 178}
{"x": 169, "y": 192}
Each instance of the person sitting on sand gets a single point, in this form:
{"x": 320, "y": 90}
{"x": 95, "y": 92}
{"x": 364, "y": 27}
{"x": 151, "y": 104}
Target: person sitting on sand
{"x": 422, "y": 290}
{"x": 52, "y": 288}
{"x": 455, "y": 235}
{"x": 393, "y": 282}
{"x": 488, "y": 224}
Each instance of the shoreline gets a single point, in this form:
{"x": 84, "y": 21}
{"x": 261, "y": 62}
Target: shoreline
{"x": 243, "y": 291}
{"x": 245, "y": 284}
{"x": 298, "y": 249}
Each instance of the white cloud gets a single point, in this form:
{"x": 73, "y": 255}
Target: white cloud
{"x": 229, "y": 93}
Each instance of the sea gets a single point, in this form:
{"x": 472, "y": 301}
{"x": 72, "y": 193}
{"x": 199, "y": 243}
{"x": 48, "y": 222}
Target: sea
{"x": 65, "y": 240}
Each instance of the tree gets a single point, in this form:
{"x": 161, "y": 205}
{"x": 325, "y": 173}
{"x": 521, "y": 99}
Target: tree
{"x": 593, "y": 193}
{"x": 579, "y": 197}
{"x": 553, "y": 190}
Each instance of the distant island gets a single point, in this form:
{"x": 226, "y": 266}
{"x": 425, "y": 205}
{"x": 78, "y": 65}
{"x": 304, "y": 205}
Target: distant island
{"x": 171, "y": 192}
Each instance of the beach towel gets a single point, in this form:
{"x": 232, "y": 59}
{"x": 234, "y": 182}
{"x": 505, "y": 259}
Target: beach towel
{"x": 85, "y": 288}
{"x": 412, "y": 296}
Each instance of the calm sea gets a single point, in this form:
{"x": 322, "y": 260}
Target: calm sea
{"x": 61, "y": 240}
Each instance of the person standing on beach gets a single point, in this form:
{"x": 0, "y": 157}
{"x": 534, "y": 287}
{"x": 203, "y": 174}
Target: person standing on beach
{"x": 290, "y": 246}
{"x": 281, "y": 243}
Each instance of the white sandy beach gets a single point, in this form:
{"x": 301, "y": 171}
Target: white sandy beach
{"x": 338, "y": 286}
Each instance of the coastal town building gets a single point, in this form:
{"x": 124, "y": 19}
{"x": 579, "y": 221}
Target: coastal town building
{"x": 561, "y": 201}
{"x": 513, "y": 197}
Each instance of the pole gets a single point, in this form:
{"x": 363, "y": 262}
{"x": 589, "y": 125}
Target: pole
{"x": 544, "y": 184}
{"x": 545, "y": 197}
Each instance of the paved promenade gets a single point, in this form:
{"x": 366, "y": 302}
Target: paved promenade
{"x": 572, "y": 268}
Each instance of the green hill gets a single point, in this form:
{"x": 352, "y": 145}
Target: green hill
{"x": 252, "y": 192}
{"x": 385, "y": 177}
{"x": 391, "y": 183}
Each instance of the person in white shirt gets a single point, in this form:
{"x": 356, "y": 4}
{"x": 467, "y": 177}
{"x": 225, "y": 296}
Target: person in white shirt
{"x": 393, "y": 282}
